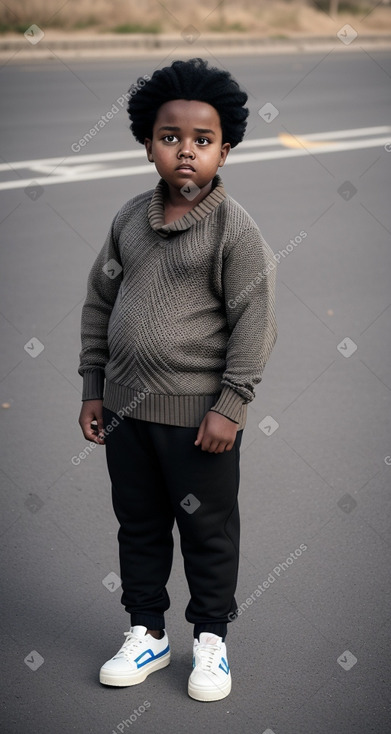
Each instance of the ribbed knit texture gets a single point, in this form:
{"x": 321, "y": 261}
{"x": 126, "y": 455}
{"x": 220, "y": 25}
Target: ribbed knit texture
{"x": 179, "y": 318}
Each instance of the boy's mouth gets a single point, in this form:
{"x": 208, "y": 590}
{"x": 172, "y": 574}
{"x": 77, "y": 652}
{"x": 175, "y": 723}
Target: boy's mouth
{"x": 185, "y": 167}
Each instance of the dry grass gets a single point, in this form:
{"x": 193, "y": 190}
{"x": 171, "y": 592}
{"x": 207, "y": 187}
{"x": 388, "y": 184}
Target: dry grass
{"x": 261, "y": 17}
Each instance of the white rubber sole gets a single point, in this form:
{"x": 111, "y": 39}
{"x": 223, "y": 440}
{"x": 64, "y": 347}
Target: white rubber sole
{"x": 132, "y": 679}
{"x": 215, "y": 693}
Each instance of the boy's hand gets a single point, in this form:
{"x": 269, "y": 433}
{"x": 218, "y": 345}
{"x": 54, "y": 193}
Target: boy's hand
{"x": 92, "y": 411}
{"x": 216, "y": 433}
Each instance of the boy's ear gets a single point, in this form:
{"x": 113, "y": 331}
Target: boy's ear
{"x": 225, "y": 148}
{"x": 148, "y": 148}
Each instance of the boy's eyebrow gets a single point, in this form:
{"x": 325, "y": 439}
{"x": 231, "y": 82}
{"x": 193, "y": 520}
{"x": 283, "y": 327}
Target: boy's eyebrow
{"x": 203, "y": 130}
{"x": 177, "y": 129}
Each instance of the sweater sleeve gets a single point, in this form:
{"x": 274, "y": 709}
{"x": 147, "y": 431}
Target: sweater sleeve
{"x": 249, "y": 271}
{"x": 103, "y": 285}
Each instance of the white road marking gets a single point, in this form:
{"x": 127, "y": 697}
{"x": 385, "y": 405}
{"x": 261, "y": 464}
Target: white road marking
{"x": 330, "y": 135}
{"x": 68, "y": 170}
{"x": 290, "y": 153}
{"x": 75, "y": 159}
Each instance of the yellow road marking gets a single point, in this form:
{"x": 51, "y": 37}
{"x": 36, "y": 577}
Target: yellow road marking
{"x": 292, "y": 141}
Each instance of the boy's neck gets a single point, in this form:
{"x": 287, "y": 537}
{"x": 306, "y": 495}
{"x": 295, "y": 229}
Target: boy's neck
{"x": 176, "y": 204}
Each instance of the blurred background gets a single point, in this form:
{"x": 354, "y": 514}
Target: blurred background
{"x": 270, "y": 18}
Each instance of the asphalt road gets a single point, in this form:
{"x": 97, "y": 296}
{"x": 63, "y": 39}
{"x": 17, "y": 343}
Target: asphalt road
{"x": 311, "y": 654}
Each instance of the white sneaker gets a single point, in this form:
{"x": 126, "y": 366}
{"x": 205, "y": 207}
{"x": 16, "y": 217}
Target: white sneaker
{"x": 210, "y": 679}
{"x": 139, "y": 656}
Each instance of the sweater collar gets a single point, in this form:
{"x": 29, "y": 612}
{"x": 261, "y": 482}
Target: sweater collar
{"x": 202, "y": 210}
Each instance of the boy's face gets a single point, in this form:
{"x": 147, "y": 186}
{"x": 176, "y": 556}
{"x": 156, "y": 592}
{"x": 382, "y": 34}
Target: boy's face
{"x": 187, "y": 143}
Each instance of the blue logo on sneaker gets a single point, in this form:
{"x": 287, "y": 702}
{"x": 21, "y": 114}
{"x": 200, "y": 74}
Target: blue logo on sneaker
{"x": 140, "y": 662}
{"x": 224, "y": 666}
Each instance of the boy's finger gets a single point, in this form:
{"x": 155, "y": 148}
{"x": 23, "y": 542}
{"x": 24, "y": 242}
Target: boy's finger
{"x": 200, "y": 436}
{"x": 93, "y": 436}
{"x": 100, "y": 425}
{"x": 98, "y": 430}
{"x": 90, "y": 430}
{"x": 209, "y": 445}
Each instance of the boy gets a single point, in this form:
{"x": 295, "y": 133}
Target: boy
{"x": 179, "y": 321}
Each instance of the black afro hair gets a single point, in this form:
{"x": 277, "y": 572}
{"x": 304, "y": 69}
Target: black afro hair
{"x": 191, "y": 80}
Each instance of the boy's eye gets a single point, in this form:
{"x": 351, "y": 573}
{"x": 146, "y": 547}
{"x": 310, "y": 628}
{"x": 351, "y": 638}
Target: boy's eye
{"x": 170, "y": 138}
{"x": 173, "y": 138}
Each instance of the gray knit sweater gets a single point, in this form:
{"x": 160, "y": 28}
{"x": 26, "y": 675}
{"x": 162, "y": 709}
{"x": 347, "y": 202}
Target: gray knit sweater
{"x": 179, "y": 318}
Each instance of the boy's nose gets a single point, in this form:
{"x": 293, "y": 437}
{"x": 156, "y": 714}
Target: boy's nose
{"x": 186, "y": 153}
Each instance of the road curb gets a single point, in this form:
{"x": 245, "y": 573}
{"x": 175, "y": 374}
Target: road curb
{"x": 16, "y": 49}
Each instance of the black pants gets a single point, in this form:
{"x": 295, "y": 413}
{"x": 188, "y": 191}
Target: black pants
{"x": 159, "y": 476}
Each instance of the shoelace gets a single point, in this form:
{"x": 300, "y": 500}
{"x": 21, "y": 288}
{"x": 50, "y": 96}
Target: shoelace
{"x": 208, "y": 654}
{"x": 130, "y": 644}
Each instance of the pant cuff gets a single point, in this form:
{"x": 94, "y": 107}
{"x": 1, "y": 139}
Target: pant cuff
{"x": 215, "y": 628}
{"x": 150, "y": 621}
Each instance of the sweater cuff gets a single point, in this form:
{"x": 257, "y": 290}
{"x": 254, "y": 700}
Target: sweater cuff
{"x": 93, "y": 383}
{"x": 229, "y": 404}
